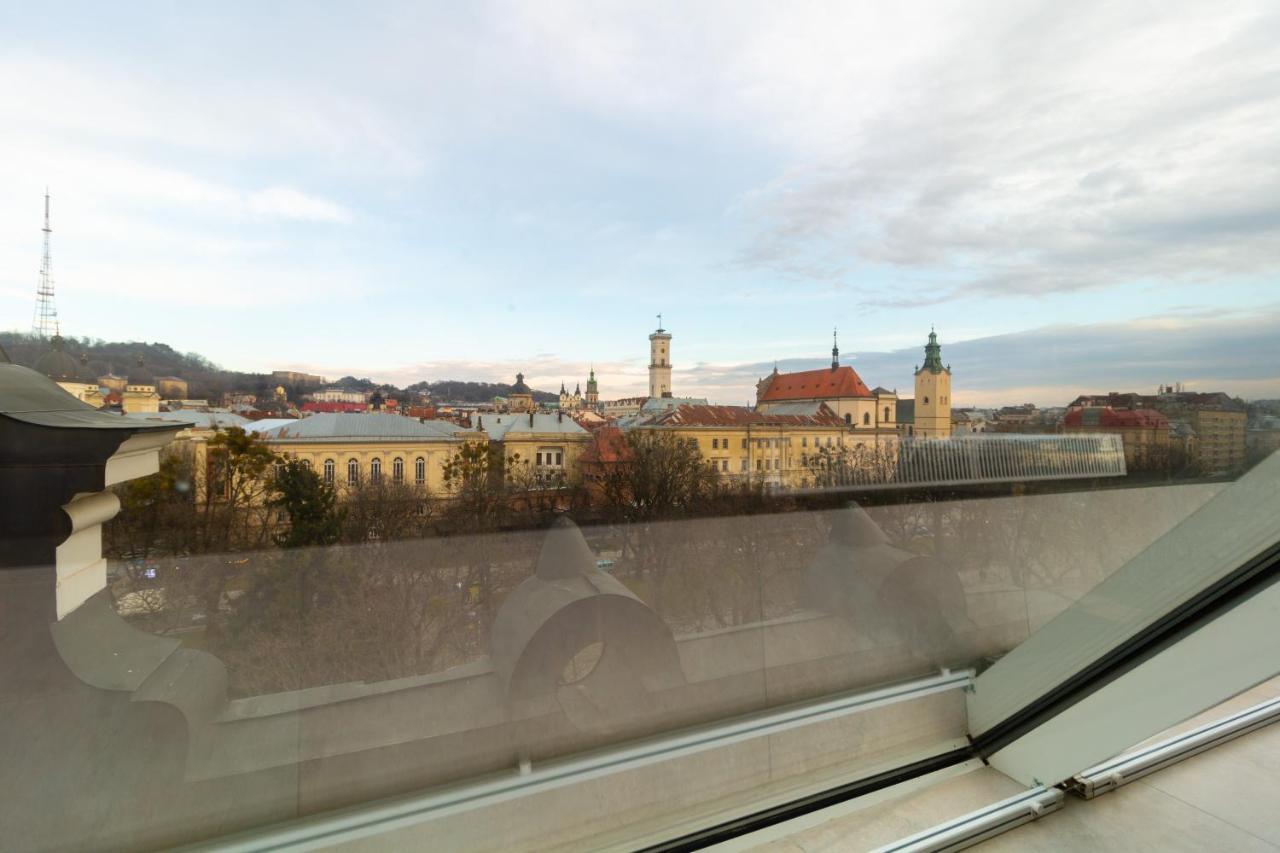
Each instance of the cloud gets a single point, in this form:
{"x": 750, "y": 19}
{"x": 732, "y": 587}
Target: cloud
{"x": 288, "y": 203}
{"x": 1205, "y": 349}
{"x": 1044, "y": 151}
{"x": 105, "y": 104}
{"x": 1212, "y": 350}
{"x": 542, "y": 372}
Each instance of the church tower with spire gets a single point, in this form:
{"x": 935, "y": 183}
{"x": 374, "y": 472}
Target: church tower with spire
{"x": 933, "y": 393}
{"x": 660, "y": 362}
{"x": 593, "y": 391}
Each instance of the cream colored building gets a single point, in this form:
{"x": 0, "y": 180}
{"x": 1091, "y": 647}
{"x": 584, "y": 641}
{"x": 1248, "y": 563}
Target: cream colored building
{"x": 624, "y": 407}
{"x": 348, "y": 449}
{"x": 780, "y": 448}
{"x": 293, "y": 377}
{"x": 933, "y": 393}
{"x": 548, "y": 444}
{"x": 140, "y": 398}
{"x": 193, "y": 439}
{"x": 1220, "y": 438}
{"x": 928, "y": 414}
{"x": 172, "y": 387}
{"x": 113, "y": 382}
{"x": 660, "y": 362}
{"x": 338, "y": 395}
{"x": 571, "y": 402}
{"x": 86, "y": 392}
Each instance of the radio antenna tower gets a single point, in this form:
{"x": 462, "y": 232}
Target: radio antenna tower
{"x": 45, "y": 322}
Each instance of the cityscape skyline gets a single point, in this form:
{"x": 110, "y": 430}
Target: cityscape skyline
{"x": 519, "y": 195}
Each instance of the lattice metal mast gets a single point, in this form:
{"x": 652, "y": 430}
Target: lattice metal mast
{"x": 45, "y": 322}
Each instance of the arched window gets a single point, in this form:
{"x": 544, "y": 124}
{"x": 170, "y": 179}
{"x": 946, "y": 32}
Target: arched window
{"x": 307, "y": 462}
{"x": 353, "y": 472}
{"x": 886, "y": 414}
{"x": 420, "y": 471}
{"x": 375, "y": 471}
{"x": 328, "y": 471}
{"x": 397, "y": 469}
{"x": 848, "y": 418}
{"x": 926, "y": 401}
{"x": 866, "y": 419}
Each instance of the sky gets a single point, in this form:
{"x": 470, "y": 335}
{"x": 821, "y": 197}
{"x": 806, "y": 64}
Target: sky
{"x": 1078, "y": 197}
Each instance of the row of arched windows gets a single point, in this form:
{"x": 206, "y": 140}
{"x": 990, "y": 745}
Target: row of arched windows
{"x": 375, "y": 471}
{"x": 866, "y": 416}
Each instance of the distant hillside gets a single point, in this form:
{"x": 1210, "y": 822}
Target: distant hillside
{"x": 142, "y": 362}
{"x": 473, "y": 392}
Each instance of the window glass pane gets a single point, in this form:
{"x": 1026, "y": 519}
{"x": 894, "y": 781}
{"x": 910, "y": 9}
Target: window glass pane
{"x": 1008, "y": 278}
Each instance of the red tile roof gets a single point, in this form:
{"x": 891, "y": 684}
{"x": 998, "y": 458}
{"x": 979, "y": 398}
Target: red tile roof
{"x": 816, "y": 385}
{"x": 1116, "y": 418}
{"x": 334, "y": 407}
{"x": 741, "y": 416}
{"x": 608, "y": 445}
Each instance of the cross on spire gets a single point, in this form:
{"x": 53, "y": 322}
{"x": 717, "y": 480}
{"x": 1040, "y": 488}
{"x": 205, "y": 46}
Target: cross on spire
{"x": 835, "y": 349}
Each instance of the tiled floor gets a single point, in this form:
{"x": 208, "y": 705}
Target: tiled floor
{"x": 866, "y": 828}
{"x": 1225, "y": 799}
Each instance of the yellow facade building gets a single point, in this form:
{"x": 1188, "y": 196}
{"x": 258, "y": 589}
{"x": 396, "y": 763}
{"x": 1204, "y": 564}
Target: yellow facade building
{"x": 172, "y": 387}
{"x": 1221, "y": 440}
{"x": 549, "y": 445}
{"x": 780, "y": 449}
{"x": 349, "y": 449}
{"x": 928, "y": 415}
{"x": 140, "y": 397}
{"x": 113, "y": 382}
{"x": 933, "y": 393}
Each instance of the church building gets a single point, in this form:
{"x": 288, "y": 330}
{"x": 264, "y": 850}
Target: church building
{"x": 839, "y": 387}
{"x": 520, "y": 399}
{"x": 570, "y": 402}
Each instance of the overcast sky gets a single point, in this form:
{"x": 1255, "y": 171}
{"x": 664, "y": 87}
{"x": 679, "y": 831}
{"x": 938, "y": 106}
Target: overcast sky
{"x": 1080, "y": 197}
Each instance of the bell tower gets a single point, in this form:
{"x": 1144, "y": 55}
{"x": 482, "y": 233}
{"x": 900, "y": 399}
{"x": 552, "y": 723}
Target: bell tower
{"x": 660, "y": 362}
{"x": 933, "y": 393}
{"x": 593, "y": 390}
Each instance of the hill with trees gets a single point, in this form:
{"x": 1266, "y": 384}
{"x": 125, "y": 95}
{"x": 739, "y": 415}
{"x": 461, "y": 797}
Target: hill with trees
{"x": 142, "y": 361}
